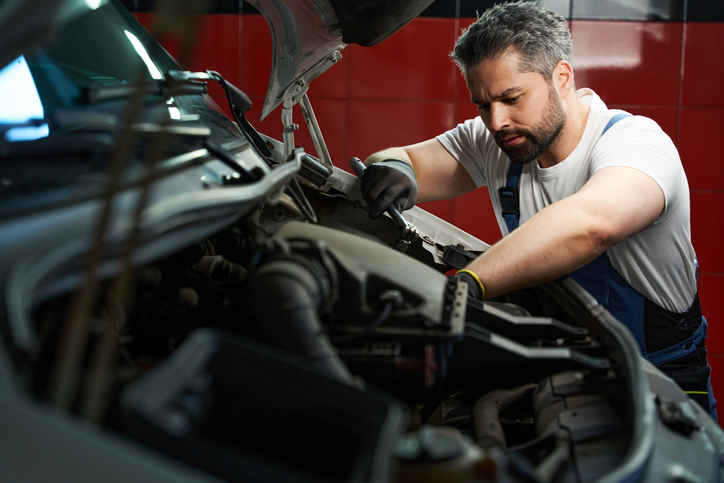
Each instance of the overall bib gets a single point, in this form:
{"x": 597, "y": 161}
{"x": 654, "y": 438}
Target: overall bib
{"x": 674, "y": 342}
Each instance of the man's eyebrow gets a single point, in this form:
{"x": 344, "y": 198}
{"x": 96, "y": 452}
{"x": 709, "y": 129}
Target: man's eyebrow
{"x": 505, "y": 93}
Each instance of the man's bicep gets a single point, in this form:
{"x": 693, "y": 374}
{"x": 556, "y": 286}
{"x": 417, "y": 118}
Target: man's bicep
{"x": 623, "y": 200}
{"x": 439, "y": 174}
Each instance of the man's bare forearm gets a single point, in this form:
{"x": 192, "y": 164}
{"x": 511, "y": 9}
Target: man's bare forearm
{"x": 616, "y": 203}
{"x": 542, "y": 249}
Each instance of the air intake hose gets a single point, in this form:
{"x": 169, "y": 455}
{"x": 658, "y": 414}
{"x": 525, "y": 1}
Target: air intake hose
{"x": 288, "y": 293}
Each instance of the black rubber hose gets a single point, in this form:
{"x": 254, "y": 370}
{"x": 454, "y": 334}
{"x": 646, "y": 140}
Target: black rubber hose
{"x": 287, "y": 295}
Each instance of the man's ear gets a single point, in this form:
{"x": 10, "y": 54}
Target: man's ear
{"x": 563, "y": 77}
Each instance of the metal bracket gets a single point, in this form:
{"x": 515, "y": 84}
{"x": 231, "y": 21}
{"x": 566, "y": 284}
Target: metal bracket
{"x": 289, "y": 128}
{"x": 316, "y": 133}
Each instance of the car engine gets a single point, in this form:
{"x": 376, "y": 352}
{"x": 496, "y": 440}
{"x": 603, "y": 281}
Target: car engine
{"x": 283, "y": 349}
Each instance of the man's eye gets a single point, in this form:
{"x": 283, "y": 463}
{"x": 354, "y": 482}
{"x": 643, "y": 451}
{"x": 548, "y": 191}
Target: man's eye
{"x": 483, "y": 107}
{"x": 512, "y": 100}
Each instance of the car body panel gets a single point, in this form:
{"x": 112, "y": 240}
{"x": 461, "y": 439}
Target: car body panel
{"x": 309, "y": 35}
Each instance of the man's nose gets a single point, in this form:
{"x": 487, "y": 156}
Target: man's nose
{"x": 499, "y": 118}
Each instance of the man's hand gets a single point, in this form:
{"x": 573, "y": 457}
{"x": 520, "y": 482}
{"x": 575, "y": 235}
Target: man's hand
{"x": 389, "y": 182}
{"x": 475, "y": 286}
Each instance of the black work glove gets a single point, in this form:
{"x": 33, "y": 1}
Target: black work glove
{"x": 475, "y": 287}
{"x": 389, "y": 182}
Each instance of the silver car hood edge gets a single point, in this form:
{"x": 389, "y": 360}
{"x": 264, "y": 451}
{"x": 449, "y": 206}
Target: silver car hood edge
{"x": 305, "y": 43}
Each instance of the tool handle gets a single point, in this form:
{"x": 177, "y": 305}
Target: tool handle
{"x": 357, "y": 166}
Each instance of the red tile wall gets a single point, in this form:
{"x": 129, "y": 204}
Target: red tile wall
{"x": 406, "y": 90}
{"x": 700, "y": 126}
{"x": 636, "y": 63}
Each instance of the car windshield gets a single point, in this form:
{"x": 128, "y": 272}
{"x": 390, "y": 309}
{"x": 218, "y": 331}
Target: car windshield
{"x": 104, "y": 46}
{"x": 52, "y": 136}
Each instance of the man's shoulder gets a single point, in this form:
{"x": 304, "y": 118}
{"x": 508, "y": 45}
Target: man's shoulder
{"x": 630, "y": 123}
{"x": 618, "y": 126}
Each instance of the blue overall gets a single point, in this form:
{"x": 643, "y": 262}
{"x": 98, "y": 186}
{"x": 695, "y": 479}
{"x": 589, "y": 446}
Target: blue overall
{"x": 674, "y": 342}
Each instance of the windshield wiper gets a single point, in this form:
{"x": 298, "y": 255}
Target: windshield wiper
{"x": 239, "y": 103}
{"x": 177, "y": 83}
{"x": 169, "y": 87}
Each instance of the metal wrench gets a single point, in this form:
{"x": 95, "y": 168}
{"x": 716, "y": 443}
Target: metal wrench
{"x": 407, "y": 231}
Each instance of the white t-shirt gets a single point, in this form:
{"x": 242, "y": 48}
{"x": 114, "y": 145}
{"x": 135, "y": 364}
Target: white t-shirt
{"x": 659, "y": 262}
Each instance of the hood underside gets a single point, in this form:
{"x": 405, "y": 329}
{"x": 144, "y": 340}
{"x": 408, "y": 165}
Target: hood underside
{"x": 308, "y": 36}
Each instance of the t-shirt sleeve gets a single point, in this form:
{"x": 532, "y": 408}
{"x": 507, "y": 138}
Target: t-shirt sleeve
{"x": 640, "y": 143}
{"x": 466, "y": 142}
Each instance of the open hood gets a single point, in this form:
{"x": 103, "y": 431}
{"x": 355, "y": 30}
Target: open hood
{"x": 308, "y": 36}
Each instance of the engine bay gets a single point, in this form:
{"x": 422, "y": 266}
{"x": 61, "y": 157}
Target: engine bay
{"x": 267, "y": 344}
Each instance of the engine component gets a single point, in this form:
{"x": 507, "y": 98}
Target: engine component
{"x": 385, "y": 331}
{"x": 486, "y": 414}
{"x": 244, "y": 411}
{"x": 572, "y": 416}
{"x": 286, "y": 295}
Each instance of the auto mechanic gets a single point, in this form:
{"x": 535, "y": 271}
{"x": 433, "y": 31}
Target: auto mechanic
{"x": 578, "y": 189}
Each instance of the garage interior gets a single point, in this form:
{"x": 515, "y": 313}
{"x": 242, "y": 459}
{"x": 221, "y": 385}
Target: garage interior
{"x": 662, "y": 65}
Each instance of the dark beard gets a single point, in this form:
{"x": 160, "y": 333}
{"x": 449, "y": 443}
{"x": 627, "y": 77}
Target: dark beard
{"x": 535, "y": 142}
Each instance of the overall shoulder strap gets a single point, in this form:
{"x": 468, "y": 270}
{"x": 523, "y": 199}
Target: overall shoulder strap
{"x": 614, "y": 120}
{"x": 509, "y": 197}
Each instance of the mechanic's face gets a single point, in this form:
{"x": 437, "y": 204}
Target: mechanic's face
{"x": 521, "y": 109}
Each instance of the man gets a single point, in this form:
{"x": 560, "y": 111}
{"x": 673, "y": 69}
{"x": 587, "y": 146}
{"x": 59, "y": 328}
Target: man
{"x": 601, "y": 195}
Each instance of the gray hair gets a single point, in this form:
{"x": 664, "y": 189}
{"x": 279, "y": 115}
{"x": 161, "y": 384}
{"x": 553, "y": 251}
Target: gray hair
{"x": 535, "y": 32}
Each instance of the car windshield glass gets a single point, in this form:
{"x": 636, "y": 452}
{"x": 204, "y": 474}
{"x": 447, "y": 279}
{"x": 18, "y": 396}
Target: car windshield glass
{"x": 52, "y": 138}
{"x": 104, "y": 46}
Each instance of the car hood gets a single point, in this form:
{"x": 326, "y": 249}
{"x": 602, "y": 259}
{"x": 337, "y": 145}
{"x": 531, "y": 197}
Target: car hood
{"x": 308, "y": 36}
